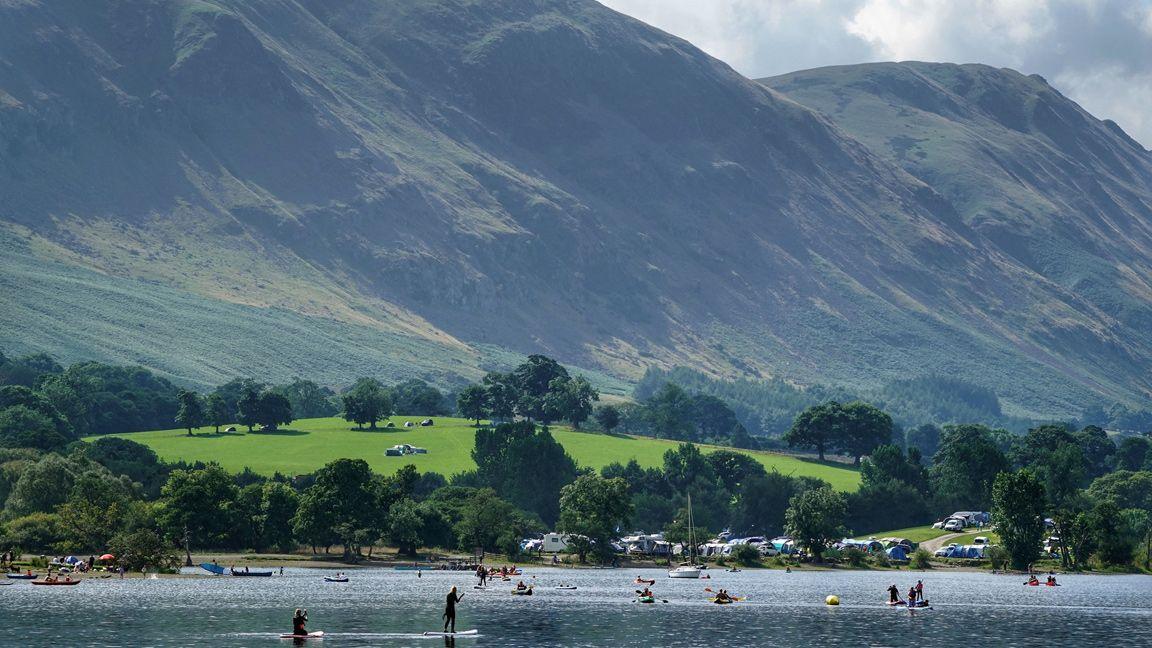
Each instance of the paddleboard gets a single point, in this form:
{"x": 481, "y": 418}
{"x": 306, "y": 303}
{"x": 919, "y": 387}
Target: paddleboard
{"x": 319, "y": 634}
{"x": 559, "y": 587}
{"x": 462, "y": 633}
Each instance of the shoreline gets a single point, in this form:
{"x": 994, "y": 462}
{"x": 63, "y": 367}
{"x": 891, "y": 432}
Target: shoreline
{"x": 275, "y": 561}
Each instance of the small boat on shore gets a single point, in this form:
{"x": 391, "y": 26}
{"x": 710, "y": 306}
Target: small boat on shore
{"x": 213, "y": 568}
{"x": 28, "y": 576}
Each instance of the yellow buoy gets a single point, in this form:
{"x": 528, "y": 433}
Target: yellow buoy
{"x": 832, "y": 600}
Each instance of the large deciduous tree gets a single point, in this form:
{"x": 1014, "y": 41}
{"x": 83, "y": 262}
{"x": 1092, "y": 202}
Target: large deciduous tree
{"x": 592, "y": 511}
{"x": 965, "y": 467}
{"x": 191, "y": 412}
{"x": 366, "y": 402}
{"x": 525, "y": 464}
{"x": 819, "y": 427}
{"x": 815, "y": 518}
{"x": 533, "y": 380}
{"x": 195, "y": 507}
{"x": 863, "y": 428}
{"x": 1018, "y": 502}
{"x": 472, "y": 403}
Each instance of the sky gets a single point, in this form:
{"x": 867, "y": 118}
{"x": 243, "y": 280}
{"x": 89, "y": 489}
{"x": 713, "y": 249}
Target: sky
{"x": 1097, "y": 52}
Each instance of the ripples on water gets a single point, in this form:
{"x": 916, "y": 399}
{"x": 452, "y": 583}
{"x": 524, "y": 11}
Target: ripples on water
{"x": 388, "y": 608}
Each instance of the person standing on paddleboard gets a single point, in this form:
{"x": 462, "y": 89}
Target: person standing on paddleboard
{"x": 450, "y": 609}
{"x": 920, "y": 591}
{"x": 298, "y": 622}
{"x": 893, "y": 593}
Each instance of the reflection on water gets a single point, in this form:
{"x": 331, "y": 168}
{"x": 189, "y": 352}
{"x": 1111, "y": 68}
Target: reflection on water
{"x": 393, "y": 608}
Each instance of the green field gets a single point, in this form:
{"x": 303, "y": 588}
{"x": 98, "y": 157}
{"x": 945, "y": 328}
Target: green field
{"x": 915, "y": 534}
{"x": 311, "y": 443}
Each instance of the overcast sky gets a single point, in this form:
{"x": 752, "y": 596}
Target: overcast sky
{"x": 1098, "y": 52}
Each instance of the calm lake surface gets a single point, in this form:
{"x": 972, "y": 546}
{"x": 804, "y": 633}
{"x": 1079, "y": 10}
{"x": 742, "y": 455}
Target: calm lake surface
{"x": 389, "y": 608}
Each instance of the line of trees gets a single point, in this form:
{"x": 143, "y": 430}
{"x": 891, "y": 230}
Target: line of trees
{"x": 540, "y": 389}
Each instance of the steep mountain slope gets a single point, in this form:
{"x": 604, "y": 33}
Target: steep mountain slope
{"x": 1061, "y": 193}
{"x": 538, "y": 175}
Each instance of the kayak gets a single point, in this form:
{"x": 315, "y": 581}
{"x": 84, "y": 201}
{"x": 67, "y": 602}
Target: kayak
{"x": 59, "y": 582}
{"x": 641, "y": 581}
{"x": 215, "y": 569}
{"x": 646, "y": 599}
{"x": 22, "y": 576}
{"x": 523, "y": 592}
{"x": 565, "y": 587}
{"x": 464, "y": 633}
{"x": 319, "y": 634}
{"x": 334, "y": 579}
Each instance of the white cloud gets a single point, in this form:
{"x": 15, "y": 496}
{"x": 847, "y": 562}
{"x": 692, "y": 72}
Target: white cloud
{"x": 1098, "y": 52}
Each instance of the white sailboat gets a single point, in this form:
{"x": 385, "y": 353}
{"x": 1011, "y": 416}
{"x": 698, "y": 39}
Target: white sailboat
{"x": 690, "y": 569}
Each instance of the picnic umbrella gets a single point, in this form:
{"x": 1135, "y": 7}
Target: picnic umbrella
{"x": 107, "y": 557}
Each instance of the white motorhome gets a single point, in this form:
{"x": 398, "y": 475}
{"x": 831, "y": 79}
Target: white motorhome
{"x": 555, "y": 543}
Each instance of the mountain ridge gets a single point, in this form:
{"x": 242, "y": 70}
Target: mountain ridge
{"x": 545, "y": 176}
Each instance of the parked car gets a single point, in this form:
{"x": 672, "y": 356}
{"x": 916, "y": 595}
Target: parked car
{"x": 980, "y": 540}
{"x": 954, "y": 525}
{"x": 947, "y": 552}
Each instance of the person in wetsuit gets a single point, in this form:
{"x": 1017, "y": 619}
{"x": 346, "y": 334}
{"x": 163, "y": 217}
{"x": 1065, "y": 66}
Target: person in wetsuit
{"x": 450, "y": 609}
{"x": 298, "y": 621}
{"x": 893, "y": 593}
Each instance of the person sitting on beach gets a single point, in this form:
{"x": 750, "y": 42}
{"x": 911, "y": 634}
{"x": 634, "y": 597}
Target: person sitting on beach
{"x": 298, "y": 622}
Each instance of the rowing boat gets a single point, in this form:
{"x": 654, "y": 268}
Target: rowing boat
{"x": 251, "y": 573}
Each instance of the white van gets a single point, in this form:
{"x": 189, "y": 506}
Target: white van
{"x": 555, "y": 543}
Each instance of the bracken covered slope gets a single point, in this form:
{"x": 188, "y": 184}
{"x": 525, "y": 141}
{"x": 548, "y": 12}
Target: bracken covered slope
{"x": 530, "y": 175}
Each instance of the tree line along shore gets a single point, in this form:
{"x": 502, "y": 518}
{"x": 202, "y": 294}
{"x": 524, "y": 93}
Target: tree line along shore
{"x": 1084, "y": 488}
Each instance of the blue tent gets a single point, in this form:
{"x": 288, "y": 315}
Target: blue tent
{"x": 897, "y": 553}
{"x": 973, "y": 551}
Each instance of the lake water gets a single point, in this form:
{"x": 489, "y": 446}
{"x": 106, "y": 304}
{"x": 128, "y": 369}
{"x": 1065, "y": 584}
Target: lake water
{"x": 389, "y": 608}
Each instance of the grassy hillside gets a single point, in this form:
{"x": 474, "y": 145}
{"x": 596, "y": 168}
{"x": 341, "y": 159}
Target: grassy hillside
{"x": 311, "y": 443}
{"x": 398, "y": 184}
